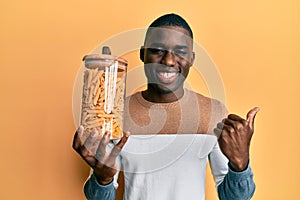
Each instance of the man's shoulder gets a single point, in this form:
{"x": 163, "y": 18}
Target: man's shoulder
{"x": 205, "y": 100}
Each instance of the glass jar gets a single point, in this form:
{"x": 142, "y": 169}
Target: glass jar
{"x": 103, "y": 94}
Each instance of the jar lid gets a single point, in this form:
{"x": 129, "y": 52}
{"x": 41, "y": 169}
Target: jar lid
{"x": 93, "y": 61}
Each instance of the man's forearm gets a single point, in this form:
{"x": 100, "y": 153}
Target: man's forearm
{"x": 237, "y": 185}
{"x": 94, "y": 191}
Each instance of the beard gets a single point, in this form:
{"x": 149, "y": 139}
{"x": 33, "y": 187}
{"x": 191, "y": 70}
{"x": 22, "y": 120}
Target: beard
{"x": 160, "y": 88}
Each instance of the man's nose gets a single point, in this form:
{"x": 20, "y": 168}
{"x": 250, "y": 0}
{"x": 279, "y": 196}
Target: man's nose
{"x": 169, "y": 59}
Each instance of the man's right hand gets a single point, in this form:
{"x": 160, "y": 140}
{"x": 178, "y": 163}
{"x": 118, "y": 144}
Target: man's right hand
{"x": 102, "y": 162}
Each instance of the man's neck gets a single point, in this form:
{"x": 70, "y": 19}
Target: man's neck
{"x": 159, "y": 97}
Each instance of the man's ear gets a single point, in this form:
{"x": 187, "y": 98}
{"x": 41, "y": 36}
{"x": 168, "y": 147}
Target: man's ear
{"x": 193, "y": 58}
{"x": 142, "y": 53}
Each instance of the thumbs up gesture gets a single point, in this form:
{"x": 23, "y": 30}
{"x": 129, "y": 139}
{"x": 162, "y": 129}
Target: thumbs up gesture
{"x": 235, "y": 134}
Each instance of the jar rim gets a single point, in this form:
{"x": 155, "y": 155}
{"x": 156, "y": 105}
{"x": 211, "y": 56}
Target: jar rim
{"x": 104, "y": 57}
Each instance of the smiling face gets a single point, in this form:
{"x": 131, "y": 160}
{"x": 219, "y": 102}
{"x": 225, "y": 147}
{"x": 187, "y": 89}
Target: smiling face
{"x": 167, "y": 56}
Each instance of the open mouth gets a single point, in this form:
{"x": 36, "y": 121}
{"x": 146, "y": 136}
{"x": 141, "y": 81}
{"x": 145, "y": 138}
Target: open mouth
{"x": 167, "y": 77}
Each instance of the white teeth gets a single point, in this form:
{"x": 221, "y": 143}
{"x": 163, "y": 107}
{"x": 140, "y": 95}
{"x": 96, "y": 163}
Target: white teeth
{"x": 167, "y": 74}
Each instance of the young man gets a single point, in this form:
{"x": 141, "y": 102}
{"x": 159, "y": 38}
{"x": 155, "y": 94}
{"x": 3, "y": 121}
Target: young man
{"x": 171, "y": 132}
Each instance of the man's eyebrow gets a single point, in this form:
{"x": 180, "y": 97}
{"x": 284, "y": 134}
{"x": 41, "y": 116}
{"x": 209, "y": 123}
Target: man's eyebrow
{"x": 157, "y": 44}
{"x": 181, "y": 47}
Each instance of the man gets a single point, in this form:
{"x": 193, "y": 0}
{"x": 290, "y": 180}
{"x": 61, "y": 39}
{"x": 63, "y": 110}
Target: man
{"x": 181, "y": 120}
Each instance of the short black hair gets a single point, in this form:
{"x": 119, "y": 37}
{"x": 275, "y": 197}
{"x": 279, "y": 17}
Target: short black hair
{"x": 170, "y": 20}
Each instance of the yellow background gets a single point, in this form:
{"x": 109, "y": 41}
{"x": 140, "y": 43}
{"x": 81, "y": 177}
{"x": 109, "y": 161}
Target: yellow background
{"x": 255, "y": 45}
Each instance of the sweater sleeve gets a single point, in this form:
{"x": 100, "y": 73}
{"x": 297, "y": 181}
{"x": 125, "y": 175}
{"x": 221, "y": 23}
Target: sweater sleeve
{"x": 93, "y": 190}
{"x": 230, "y": 185}
{"x": 237, "y": 185}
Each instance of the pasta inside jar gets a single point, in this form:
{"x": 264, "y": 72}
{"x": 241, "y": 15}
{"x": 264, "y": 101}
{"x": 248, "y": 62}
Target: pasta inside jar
{"x": 103, "y": 95}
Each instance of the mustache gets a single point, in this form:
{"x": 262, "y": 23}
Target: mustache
{"x": 163, "y": 68}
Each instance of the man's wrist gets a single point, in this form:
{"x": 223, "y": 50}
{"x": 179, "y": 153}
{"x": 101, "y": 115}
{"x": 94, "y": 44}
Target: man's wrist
{"x": 239, "y": 176}
{"x": 238, "y": 168}
{"x": 103, "y": 181}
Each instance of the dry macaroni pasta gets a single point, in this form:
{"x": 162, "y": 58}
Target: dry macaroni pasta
{"x": 103, "y": 101}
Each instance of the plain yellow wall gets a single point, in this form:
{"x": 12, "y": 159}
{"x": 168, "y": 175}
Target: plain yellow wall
{"x": 255, "y": 45}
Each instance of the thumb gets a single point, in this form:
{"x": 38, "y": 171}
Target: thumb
{"x": 251, "y": 116}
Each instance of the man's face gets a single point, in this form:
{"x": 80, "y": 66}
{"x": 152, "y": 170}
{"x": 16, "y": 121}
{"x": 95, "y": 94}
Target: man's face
{"x": 167, "y": 56}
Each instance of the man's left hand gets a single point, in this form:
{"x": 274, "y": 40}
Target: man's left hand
{"x": 235, "y": 136}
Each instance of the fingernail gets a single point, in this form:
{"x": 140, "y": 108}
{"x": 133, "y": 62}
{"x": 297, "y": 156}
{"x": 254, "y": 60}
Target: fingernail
{"x": 95, "y": 133}
{"x": 106, "y": 135}
{"x": 81, "y": 127}
{"x": 80, "y": 130}
{"x": 127, "y": 133}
